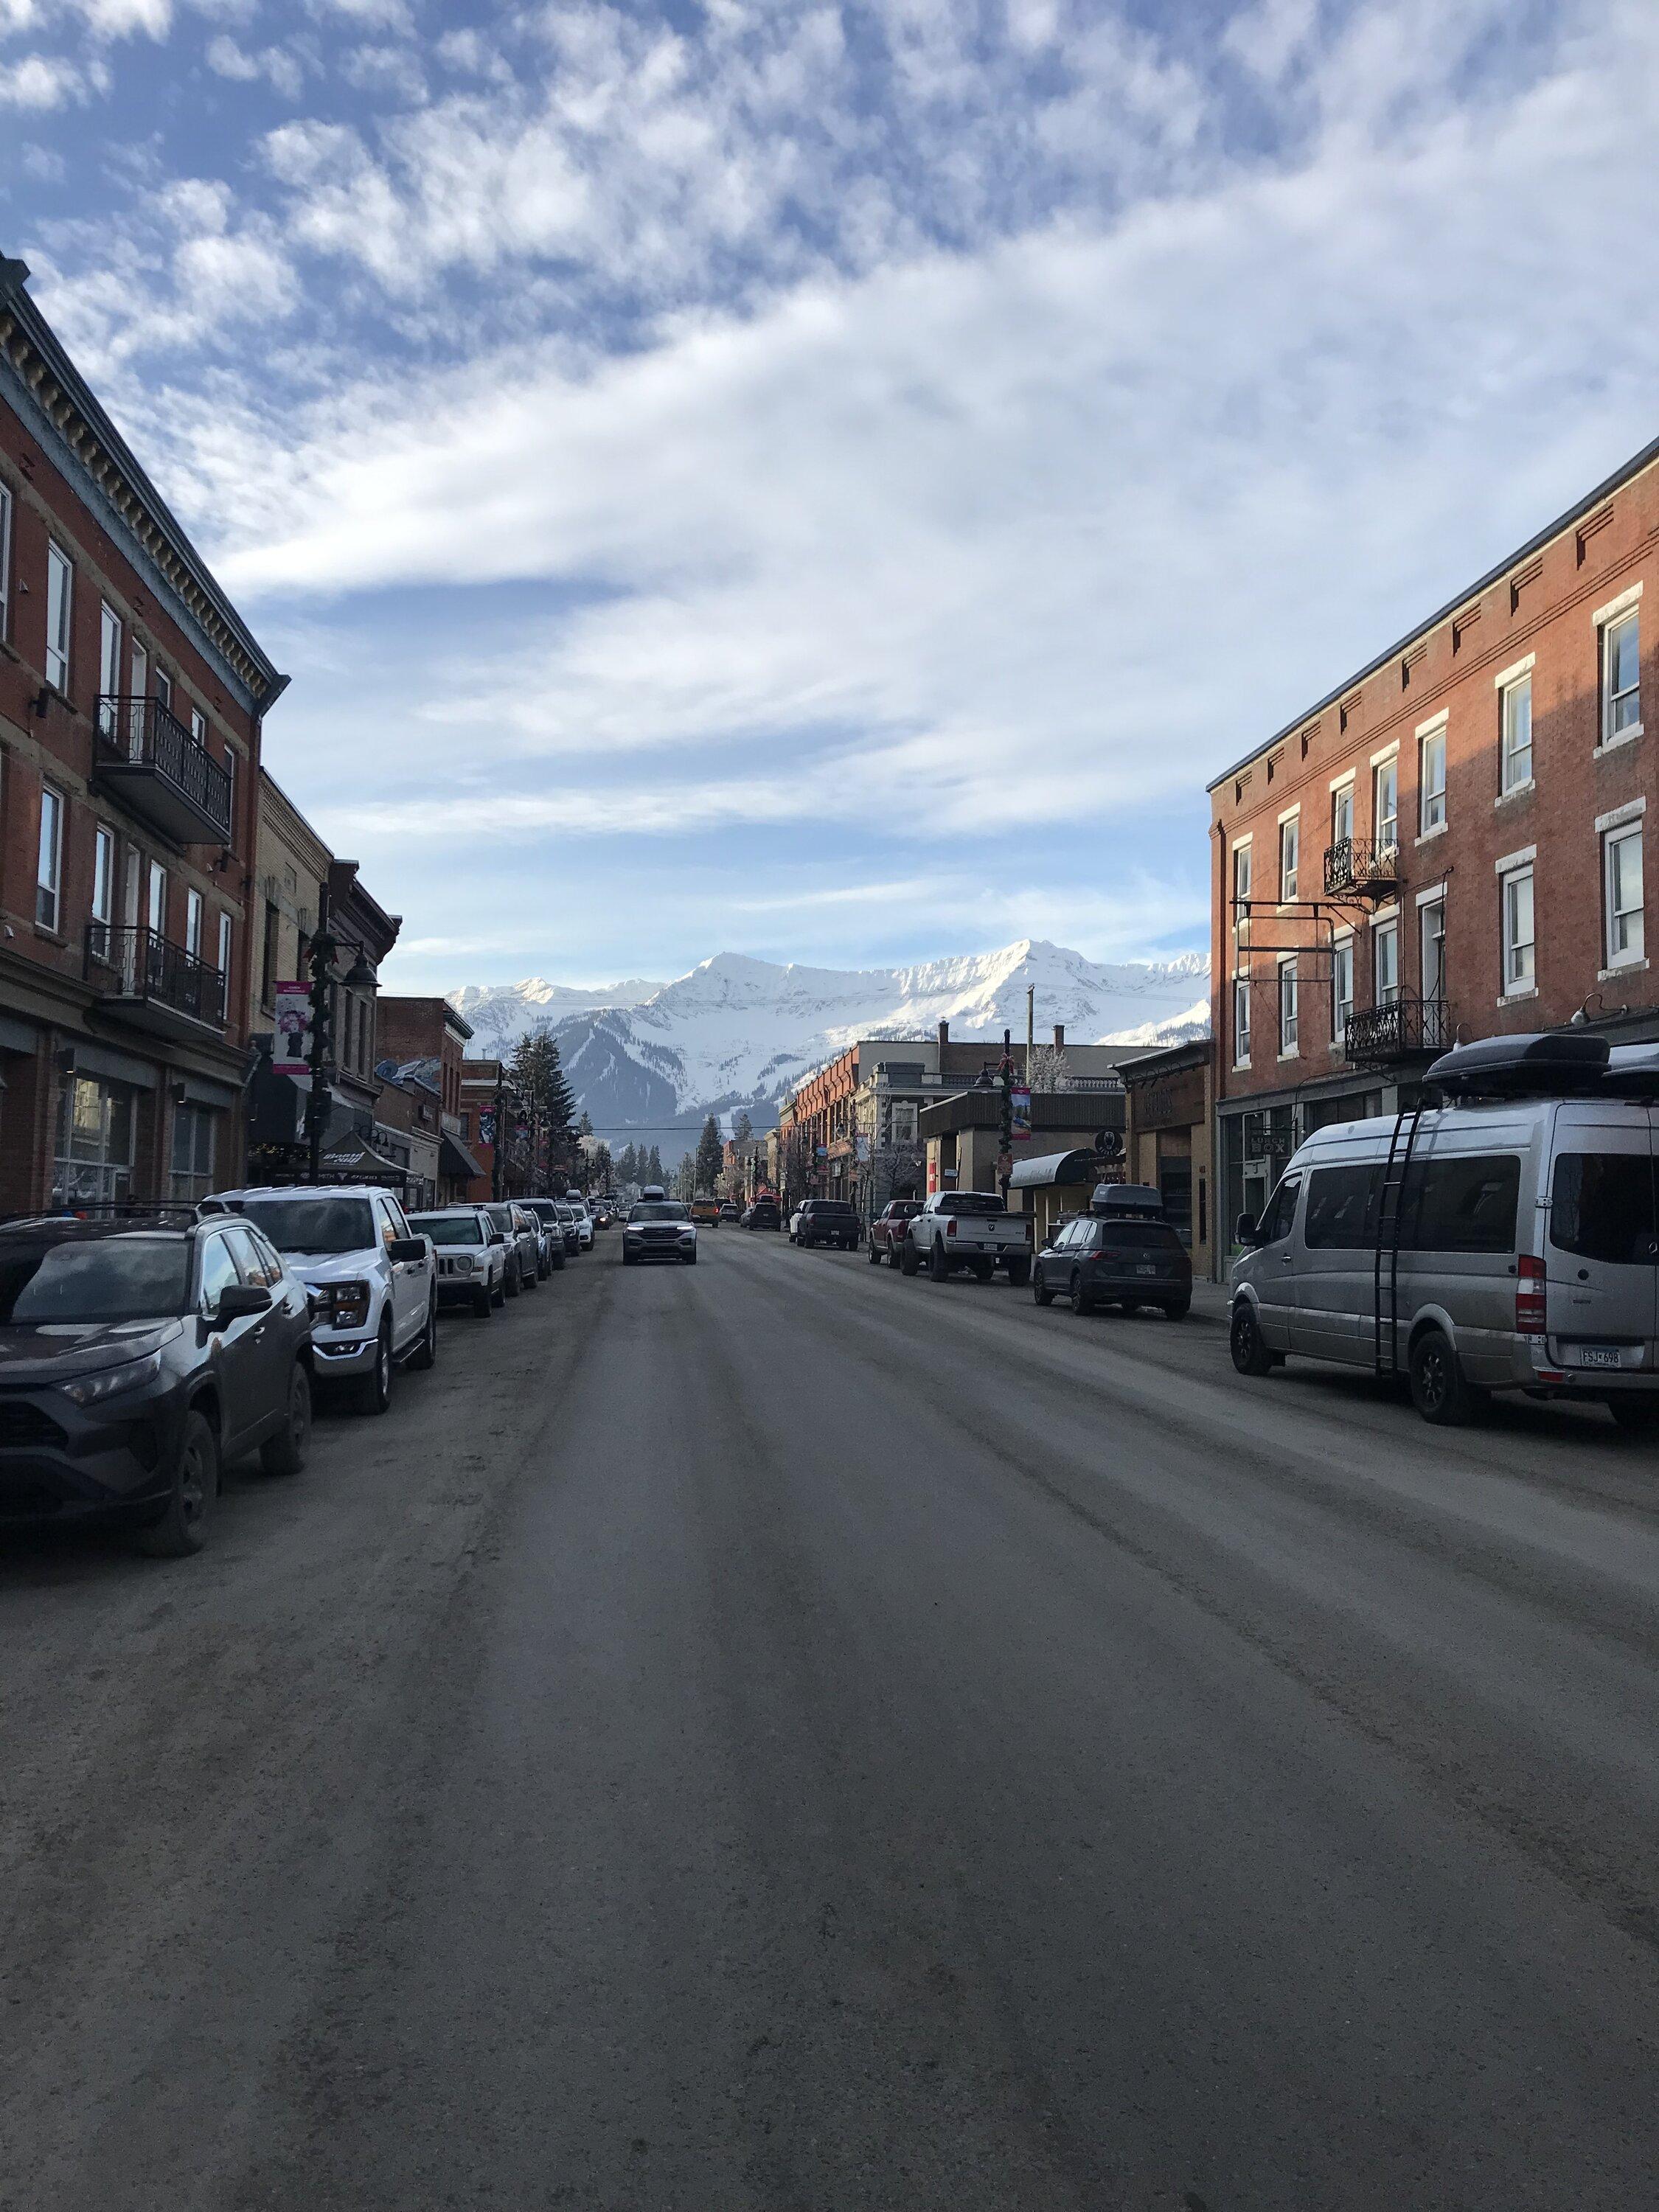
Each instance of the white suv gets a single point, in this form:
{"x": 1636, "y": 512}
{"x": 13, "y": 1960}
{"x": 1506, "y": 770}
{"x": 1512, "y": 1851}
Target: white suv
{"x": 373, "y": 1282}
{"x": 471, "y": 1255}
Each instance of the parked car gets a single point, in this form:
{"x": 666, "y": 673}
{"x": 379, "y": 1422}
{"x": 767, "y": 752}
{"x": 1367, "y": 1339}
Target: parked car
{"x": 137, "y": 1356}
{"x": 706, "y": 1212}
{"x": 524, "y": 1243}
{"x": 549, "y": 1221}
{"x": 373, "y": 1282}
{"x": 567, "y": 1227}
{"x": 827, "y": 1221}
{"x": 730, "y": 1210}
{"x": 472, "y": 1256}
{"x": 659, "y": 1229}
{"x": 957, "y": 1229}
{"x": 577, "y": 1205}
{"x": 887, "y": 1231}
{"x": 763, "y": 1214}
{"x": 1506, "y": 1241}
{"x": 1123, "y": 1253}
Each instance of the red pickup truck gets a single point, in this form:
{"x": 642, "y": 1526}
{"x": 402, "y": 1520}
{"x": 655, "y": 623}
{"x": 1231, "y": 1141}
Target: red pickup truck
{"x": 887, "y": 1231}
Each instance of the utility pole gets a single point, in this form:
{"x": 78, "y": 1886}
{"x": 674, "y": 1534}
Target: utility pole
{"x": 1030, "y": 1030}
{"x": 500, "y": 1145}
{"x": 323, "y": 949}
{"x": 1005, "y": 1074}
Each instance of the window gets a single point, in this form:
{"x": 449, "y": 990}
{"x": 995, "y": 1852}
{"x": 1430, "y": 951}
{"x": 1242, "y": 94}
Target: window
{"x": 1289, "y": 844}
{"x": 1622, "y": 672}
{"x": 1431, "y": 781}
{"x": 192, "y": 1153}
{"x": 1242, "y": 874}
{"x": 904, "y": 1122}
{"x": 218, "y": 1272}
{"x": 1385, "y": 803}
{"x": 1341, "y": 987}
{"x": 224, "y": 946}
{"x": 109, "y": 666}
{"x": 158, "y": 899}
{"x": 1385, "y": 963}
{"x": 1516, "y": 710}
{"x": 1622, "y": 893}
{"x": 1342, "y": 1209}
{"x": 48, "y": 874}
{"x": 267, "y": 957}
{"x": 103, "y": 887}
{"x": 1342, "y": 813}
{"x": 198, "y": 726}
{"x": 193, "y": 923}
{"x": 1431, "y": 940}
{"x": 1602, "y": 1207}
{"x": 164, "y": 687}
{"x": 1461, "y": 1205}
{"x": 1240, "y": 1021}
{"x": 5, "y": 560}
{"x": 1280, "y": 1214}
{"x": 60, "y": 594}
{"x": 1287, "y": 1006}
{"x": 93, "y": 1150}
{"x": 1516, "y": 893}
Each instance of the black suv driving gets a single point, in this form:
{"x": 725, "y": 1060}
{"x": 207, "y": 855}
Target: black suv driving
{"x": 138, "y": 1354}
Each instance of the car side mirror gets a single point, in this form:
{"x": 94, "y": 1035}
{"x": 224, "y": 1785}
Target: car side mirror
{"x": 237, "y": 1299}
{"x": 405, "y": 1250}
{"x": 496, "y": 1237}
{"x": 1248, "y": 1230}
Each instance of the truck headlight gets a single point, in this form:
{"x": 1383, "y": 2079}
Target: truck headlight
{"x": 347, "y": 1304}
{"x": 94, "y": 1390}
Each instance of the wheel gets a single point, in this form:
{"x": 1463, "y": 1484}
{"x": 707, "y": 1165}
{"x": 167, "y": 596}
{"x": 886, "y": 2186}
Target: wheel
{"x": 179, "y": 1528}
{"x": 556, "y": 1263}
{"x": 1637, "y": 1417}
{"x": 875, "y": 1254}
{"x": 498, "y": 1290}
{"x": 511, "y": 1281}
{"x": 909, "y": 1262}
{"x": 483, "y": 1302}
{"x": 425, "y": 1355}
{"x": 937, "y": 1268}
{"x": 983, "y": 1270}
{"x": 690, "y": 1259}
{"x": 1040, "y": 1294}
{"x": 1081, "y": 1302}
{"x": 1019, "y": 1272}
{"x": 285, "y": 1452}
{"x": 1178, "y": 1309}
{"x": 895, "y": 1251}
{"x": 628, "y": 1259}
{"x": 1250, "y": 1355}
{"x": 371, "y": 1393}
{"x": 529, "y": 1277}
{"x": 1440, "y": 1390}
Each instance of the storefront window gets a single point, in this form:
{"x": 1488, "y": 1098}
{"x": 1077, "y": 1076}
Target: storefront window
{"x": 93, "y": 1164}
{"x": 192, "y": 1152}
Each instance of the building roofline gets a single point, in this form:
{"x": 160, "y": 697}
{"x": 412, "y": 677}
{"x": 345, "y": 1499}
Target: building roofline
{"x": 1605, "y": 489}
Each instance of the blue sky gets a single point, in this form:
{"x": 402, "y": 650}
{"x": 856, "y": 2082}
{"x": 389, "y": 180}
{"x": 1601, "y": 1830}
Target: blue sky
{"x": 830, "y": 483}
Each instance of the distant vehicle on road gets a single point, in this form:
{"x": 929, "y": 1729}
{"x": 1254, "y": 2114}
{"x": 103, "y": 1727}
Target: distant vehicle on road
{"x": 763, "y": 1214}
{"x": 827, "y": 1221}
{"x": 524, "y": 1245}
{"x": 706, "y": 1212}
{"x": 569, "y": 1228}
{"x": 472, "y": 1256}
{"x": 652, "y": 1190}
{"x": 551, "y": 1224}
{"x": 958, "y": 1229}
{"x": 659, "y": 1229}
{"x": 373, "y": 1282}
{"x": 582, "y": 1217}
{"x": 1123, "y": 1253}
{"x": 140, "y": 1354}
{"x": 730, "y": 1210}
{"x": 887, "y": 1231}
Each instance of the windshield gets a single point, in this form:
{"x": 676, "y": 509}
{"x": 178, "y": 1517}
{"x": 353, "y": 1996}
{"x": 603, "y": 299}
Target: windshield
{"x": 446, "y": 1228}
{"x": 659, "y": 1210}
{"x": 543, "y": 1209}
{"x": 503, "y": 1217}
{"x": 969, "y": 1201}
{"x": 105, "y": 1279}
{"x": 313, "y": 1225}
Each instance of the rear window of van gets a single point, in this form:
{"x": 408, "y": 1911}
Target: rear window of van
{"x": 1601, "y": 1207}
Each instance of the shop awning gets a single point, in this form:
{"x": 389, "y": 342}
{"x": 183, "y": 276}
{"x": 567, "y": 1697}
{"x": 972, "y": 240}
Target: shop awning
{"x": 455, "y": 1159}
{"x": 354, "y": 1159}
{"x": 1075, "y": 1167}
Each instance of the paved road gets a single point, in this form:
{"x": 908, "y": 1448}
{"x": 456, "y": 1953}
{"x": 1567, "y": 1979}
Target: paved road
{"x": 777, "y": 1738}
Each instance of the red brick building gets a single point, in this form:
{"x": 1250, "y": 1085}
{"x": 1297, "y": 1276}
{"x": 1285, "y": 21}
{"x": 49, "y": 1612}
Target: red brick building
{"x": 430, "y": 1030}
{"x": 131, "y": 697}
{"x": 1450, "y": 844}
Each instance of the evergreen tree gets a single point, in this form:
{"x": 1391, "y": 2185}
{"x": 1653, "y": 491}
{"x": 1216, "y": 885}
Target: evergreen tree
{"x": 685, "y": 1177}
{"x": 742, "y": 1128}
{"x": 539, "y": 1080}
{"x": 653, "y": 1170}
{"x": 628, "y": 1166}
{"x": 709, "y": 1155}
{"x": 603, "y": 1168}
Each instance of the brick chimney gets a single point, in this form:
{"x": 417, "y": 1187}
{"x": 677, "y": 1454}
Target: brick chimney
{"x": 1060, "y": 1036}
{"x": 944, "y": 1033}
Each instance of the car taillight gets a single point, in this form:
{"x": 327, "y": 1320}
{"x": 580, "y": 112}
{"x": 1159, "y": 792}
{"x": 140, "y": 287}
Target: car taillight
{"x": 951, "y": 1226}
{"x": 1529, "y": 1296}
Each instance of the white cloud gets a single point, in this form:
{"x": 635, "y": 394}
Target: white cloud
{"x": 276, "y": 65}
{"x": 39, "y": 82}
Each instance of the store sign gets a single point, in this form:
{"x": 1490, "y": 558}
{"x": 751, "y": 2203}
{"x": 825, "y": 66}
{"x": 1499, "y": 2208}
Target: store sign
{"x": 290, "y": 1048}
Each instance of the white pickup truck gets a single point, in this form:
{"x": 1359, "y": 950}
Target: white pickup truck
{"x": 966, "y": 1229}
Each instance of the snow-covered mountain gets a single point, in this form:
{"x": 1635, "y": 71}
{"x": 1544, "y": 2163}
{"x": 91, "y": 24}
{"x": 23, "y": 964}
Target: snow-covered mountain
{"x": 741, "y": 1032}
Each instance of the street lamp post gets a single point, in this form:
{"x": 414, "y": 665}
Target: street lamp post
{"x": 323, "y": 949}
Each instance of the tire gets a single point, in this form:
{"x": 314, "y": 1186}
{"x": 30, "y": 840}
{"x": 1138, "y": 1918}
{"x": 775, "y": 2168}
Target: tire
{"x": 1178, "y": 1309}
{"x": 286, "y": 1452}
{"x": 937, "y": 1269}
{"x": 1040, "y": 1294}
{"x": 628, "y": 1259}
{"x": 179, "y": 1529}
{"x": 1440, "y": 1390}
{"x": 483, "y": 1303}
{"x": 1250, "y": 1355}
{"x": 1081, "y": 1301}
{"x": 1019, "y": 1272}
{"x": 983, "y": 1270}
{"x": 371, "y": 1393}
{"x": 875, "y": 1257}
{"x": 1637, "y": 1417}
{"x": 894, "y": 1253}
{"x": 690, "y": 1259}
{"x": 510, "y": 1282}
{"x": 530, "y": 1277}
{"x": 498, "y": 1293}
{"x": 425, "y": 1354}
{"x": 555, "y": 1265}
{"x": 910, "y": 1262}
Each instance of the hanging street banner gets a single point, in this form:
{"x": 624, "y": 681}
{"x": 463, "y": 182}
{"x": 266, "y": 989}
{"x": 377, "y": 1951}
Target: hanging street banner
{"x": 1019, "y": 1101}
{"x": 290, "y": 1044}
{"x": 486, "y": 1128}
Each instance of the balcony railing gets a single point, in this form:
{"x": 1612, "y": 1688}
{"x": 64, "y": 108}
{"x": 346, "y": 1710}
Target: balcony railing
{"x": 158, "y": 983}
{"x": 1400, "y": 1030}
{"x": 146, "y": 756}
{"x": 1361, "y": 866}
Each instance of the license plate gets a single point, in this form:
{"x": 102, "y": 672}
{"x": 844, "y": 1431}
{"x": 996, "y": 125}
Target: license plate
{"x": 1598, "y": 1355}
{"x": 1152, "y": 1270}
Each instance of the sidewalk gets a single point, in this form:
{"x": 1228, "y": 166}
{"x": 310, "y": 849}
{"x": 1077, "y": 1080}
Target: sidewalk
{"x": 1211, "y": 1302}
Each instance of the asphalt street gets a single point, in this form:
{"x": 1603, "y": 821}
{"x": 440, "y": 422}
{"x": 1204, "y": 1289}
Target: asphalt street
{"x": 775, "y": 1737}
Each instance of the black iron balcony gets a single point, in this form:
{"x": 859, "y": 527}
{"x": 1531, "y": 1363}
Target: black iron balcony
{"x": 145, "y": 757}
{"x": 1361, "y": 867}
{"x": 153, "y": 984}
{"x": 1401, "y": 1028}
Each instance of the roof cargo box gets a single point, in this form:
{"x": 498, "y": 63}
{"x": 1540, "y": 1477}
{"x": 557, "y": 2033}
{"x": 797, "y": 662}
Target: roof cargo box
{"x": 1551, "y": 1063}
{"x": 1138, "y": 1198}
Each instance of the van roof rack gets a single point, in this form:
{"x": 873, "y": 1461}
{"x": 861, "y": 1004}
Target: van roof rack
{"x": 1546, "y": 1063}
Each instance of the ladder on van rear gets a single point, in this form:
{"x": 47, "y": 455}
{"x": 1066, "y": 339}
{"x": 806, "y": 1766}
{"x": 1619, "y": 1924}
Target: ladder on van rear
{"x": 1391, "y": 1223}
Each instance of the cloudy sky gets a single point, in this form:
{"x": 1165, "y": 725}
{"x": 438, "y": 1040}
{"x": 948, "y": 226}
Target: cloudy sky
{"x": 831, "y": 481}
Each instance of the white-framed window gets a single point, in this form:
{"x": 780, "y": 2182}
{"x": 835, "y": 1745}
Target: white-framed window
{"x": 1515, "y": 724}
{"x": 1622, "y": 893}
{"x": 49, "y": 864}
{"x": 1621, "y": 674}
{"x": 136, "y": 730}
{"x": 230, "y": 784}
{"x": 157, "y": 912}
{"x": 163, "y": 686}
{"x": 193, "y": 1150}
{"x": 109, "y": 666}
{"x": 1431, "y": 780}
{"x": 5, "y": 560}
{"x": 1243, "y": 876}
{"x": 1289, "y": 1009}
{"x": 1515, "y": 898}
{"x": 1290, "y": 852}
{"x": 1341, "y": 987}
{"x": 1385, "y": 803}
{"x": 60, "y": 611}
{"x": 1240, "y": 1021}
{"x": 198, "y": 726}
{"x": 103, "y": 886}
{"x": 1431, "y": 948}
{"x": 1385, "y": 963}
{"x": 193, "y": 923}
{"x": 224, "y": 946}
{"x": 94, "y": 1151}
{"x": 1342, "y": 813}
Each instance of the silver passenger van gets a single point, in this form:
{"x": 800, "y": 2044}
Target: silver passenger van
{"x": 1505, "y": 1239}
